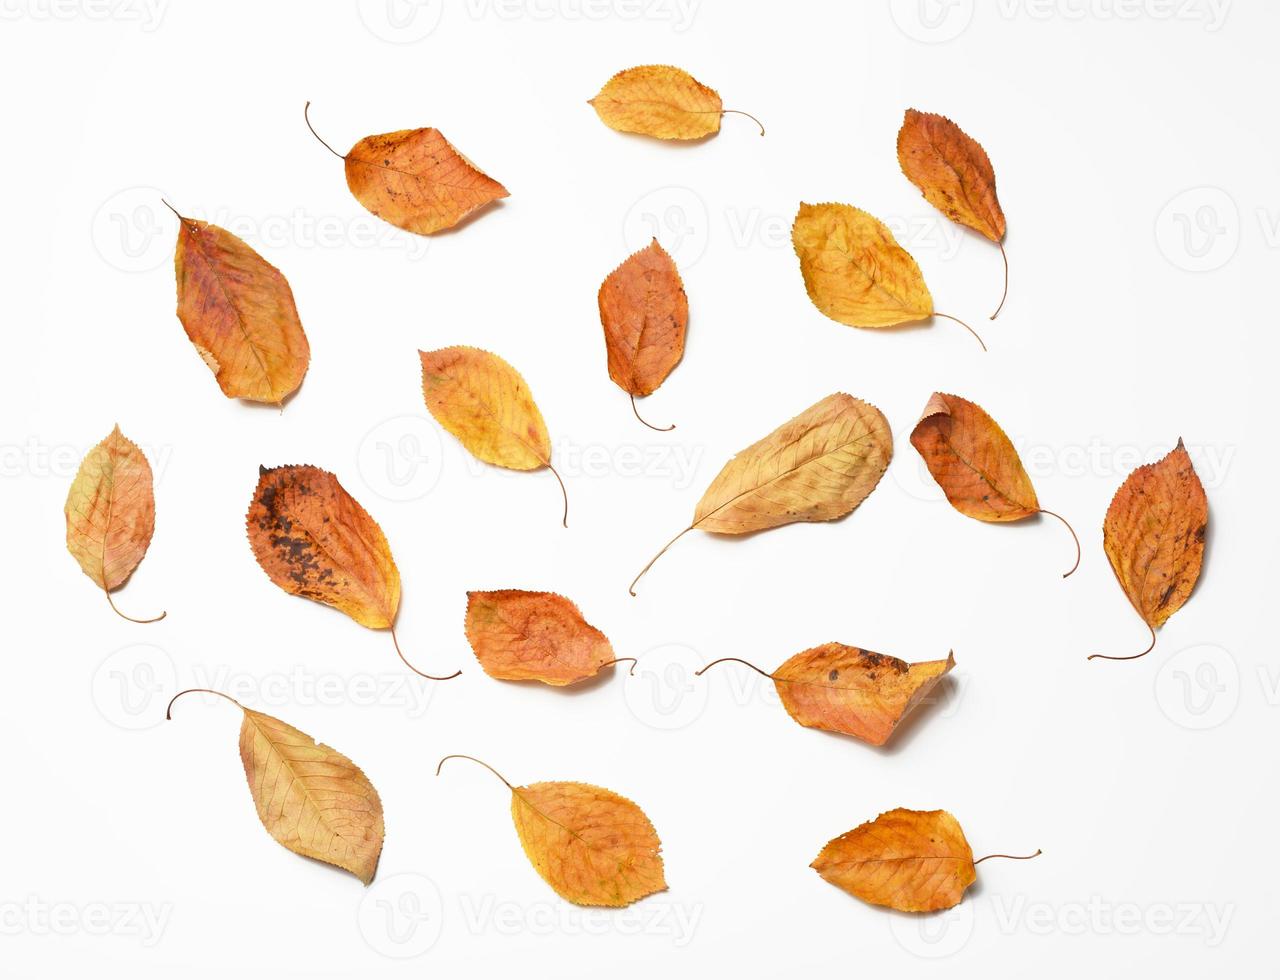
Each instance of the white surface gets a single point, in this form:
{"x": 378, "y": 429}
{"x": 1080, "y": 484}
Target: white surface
{"x": 1143, "y": 782}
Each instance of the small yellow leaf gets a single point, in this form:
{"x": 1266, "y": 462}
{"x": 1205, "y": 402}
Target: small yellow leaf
{"x": 661, "y": 101}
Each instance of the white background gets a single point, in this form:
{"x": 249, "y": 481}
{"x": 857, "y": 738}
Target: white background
{"x": 1136, "y": 153}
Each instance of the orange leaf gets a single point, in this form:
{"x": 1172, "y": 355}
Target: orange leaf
{"x": 658, "y": 100}
{"x": 909, "y": 860}
{"x": 644, "y": 312}
{"x": 111, "y": 514}
{"x": 238, "y": 311}
{"x": 539, "y": 636}
{"x": 1154, "y": 538}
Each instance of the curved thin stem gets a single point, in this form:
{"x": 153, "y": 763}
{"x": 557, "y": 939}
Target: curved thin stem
{"x": 111, "y": 603}
{"x": 619, "y": 660}
{"x": 632, "y": 587}
{"x": 168, "y": 712}
{"x": 1004, "y": 295}
{"x": 699, "y": 673}
{"x": 1073, "y": 538}
{"x": 1103, "y": 656}
{"x": 472, "y": 758}
{"x": 739, "y": 112}
{"x": 565, "y": 519}
{"x": 948, "y": 316}
{"x": 649, "y": 424}
{"x": 173, "y": 209}
{"x": 306, "y": 115}
{"x": 1011, "y": 857}
{"x": 430, "y": 677}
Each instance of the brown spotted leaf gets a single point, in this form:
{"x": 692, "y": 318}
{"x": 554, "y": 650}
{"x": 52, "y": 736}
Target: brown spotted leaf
{"x": 538, "y": 636}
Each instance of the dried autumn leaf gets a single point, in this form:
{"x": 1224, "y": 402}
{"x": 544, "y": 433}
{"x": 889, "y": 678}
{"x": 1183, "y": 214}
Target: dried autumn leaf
{"x": 909, "y": 860}
{"x": 661, "y": 101}
{"x": 1154, "y": 538}
{"x": 849, "y": 690}
{"x": 976, "y": 464}
{"x": 534, "y": 636}
{"x": 415, "y": 179}
{"x": 486, "y": 405}
{"x": 592, "y": 846}
{"x": 238, "y": 311}
{"x": 817, "y": 467}
{"x": 310, "y": 798}
{"x": 314, "y": 540}
{"x": 952, "y": 171}
{"x": 111, "y": 514}
{"x": 644, "y": 312}
{"x": 856, "y": 272}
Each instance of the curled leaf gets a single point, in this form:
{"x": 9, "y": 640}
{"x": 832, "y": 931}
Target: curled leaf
{"x": 976, "y": 464}
{"x": 592, "y": 846}
{"x": 485, "y": 404}
{"x": 415, "y": 179}
{"x": 953, "y": 172}
{"x": 644, "y": 312}
{"x": 312, "y": 799}
{"x": 1154, "y": 538}
{"x": 852, "y": 691}
{"x": 538, "y": 636}
{"x": 817, "y": 467}
{"x": 111, "y": 514}
{"x": 238, "y": 311}
{"x": 661, "y": 101}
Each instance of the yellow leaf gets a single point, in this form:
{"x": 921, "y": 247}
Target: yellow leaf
{"x": 111, "y": 514}
{"x": 658, "y": 100}
{"x": 817, "y": 467}
{"x": 485, "y": 404}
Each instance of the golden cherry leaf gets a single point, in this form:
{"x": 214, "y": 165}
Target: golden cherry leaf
{"x": 238, "y": 311}
{"x": 486, "y": 405}
{"x": 976, "y": 464}
{"x": 534, "y": 636}
{"x": 817, "y": 467}
{"x": 849, "y": 690}
{"x": 644, "y": 312}
{"x": 314, "y": 540}
{"x": 111, "y": 514}
{"x": 592, "y": 846}
{"x": 856, "y": 272}
{"x": 312, "y": 799}
{"x": 1154, "y": 538}
{"x": 661, "y": 101}
{"x": 415, "y": 179}
{"x": 952, "y": 171}
{"x": 909, "y": 860}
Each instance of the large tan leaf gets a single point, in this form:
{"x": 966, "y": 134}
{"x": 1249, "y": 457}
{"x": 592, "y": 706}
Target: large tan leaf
{"x": 310, "y": 798}
{"x": 592, "y": 846}
{"x": 485, "y": 404}
{"x": 1154, "y": 538}
{"x": 817, "y": 467}
{"x": 238, "y": 311}
{"x": 111, "y": 514}
{"x": 661, "y": 101}
{"x": 644, "y": 312}
{"x": 538, "y": 636}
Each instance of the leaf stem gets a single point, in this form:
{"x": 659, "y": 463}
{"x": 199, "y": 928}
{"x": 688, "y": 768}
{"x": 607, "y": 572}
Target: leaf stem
{"x": 739, "y": 112}
{"x": 1004, "y": 295}
{"x": 699, "y": 673}
{"x": 306, "y": 115}
{"x": 1073, "y": 538}
{"x": 632, "y": 587}
{"x": 948, "y": 316}
{"x": 430, "y": 677}
{"x": 111, "y": 603}
{"x": 650, "y": 424}
{"x": 1011, "y": 857}
{"x": 1103, "y": 656}
{"x": 472, "y": 758}
{"x": 565, "y": 519}
{"x": 168, "y": 712}
{"x": 174, "y": 210}
{"x": 619, "y": 660}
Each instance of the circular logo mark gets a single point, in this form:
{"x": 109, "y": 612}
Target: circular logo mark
{"x": 133, "y": 231}
{"x": 401, "y": 916}
{"x": 400, "y": 21}
{"x": 1199, "y": 687}
{"x": 934, "y": 936}
{"x": 1199, "y": 230}
{"x": 931, "y": 21}
{"x": 401, "y": 459}
{"x": 130, "y": 686}
{"x": 664, "y": 693}
{"x": 676, "y": 216}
